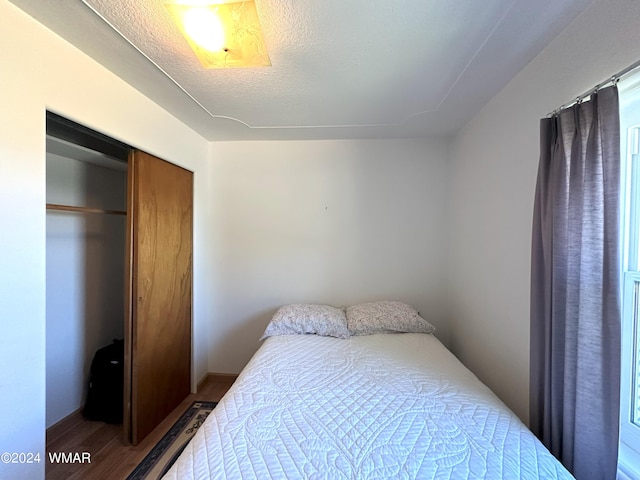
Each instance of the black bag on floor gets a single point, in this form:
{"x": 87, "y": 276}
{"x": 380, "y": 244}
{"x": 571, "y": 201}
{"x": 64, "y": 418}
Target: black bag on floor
{"x": 105, "y": 395}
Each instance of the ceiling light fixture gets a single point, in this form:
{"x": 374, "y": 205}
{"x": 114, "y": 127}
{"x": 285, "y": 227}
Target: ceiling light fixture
{"x": 222, "y": 35}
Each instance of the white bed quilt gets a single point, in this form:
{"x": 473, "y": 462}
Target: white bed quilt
{"x": 394, "y": 406}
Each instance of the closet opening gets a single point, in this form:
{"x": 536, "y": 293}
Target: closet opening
{"x": 86, "y": 195}
{"x": 119, "y": 248}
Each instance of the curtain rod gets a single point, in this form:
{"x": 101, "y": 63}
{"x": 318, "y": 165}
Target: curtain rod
{"x": 613, "y": 80}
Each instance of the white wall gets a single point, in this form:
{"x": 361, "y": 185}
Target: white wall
{"x": 336, "y": 222}
{"x": 493, "y": 176}
{"x": 84, "y": 278}
{"x": 40, "y": 71}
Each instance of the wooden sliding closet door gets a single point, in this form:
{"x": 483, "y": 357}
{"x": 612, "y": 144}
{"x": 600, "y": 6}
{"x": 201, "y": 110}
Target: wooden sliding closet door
{"x": 158, "y": 330}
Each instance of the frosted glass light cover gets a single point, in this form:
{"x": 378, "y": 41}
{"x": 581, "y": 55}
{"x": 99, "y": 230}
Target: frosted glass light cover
{"x": 243, "y": 44}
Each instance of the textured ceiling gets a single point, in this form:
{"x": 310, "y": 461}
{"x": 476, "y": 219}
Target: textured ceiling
{"x": 340, "y": 69}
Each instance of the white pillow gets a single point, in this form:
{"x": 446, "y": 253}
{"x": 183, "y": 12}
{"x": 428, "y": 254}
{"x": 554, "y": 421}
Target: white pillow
{"x": 385, "y": 317}
{"x": 300, "y": 319}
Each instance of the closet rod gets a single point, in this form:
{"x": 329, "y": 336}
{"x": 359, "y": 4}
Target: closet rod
{"x": 70, "y": 208}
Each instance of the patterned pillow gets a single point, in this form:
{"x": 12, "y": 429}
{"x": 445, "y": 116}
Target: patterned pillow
{"x": 385, "y": 317}
{"x": 300, "y": 319}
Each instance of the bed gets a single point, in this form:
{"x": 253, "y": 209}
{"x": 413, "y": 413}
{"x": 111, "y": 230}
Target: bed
{"x": 368, "y": 406}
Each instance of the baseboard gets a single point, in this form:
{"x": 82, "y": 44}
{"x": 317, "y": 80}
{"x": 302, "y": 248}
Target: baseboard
{"x": 218, "y": 377}
{"x": 62, "y": 425}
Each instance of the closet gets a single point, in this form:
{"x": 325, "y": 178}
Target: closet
{"x": 119, "y": 265}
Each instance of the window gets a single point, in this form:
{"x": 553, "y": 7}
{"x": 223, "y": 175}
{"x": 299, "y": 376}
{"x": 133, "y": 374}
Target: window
{"x": 629, "y": 458}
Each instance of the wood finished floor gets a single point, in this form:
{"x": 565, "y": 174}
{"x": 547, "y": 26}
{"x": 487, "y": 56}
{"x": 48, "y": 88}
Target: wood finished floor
{"x": 111, "y": 457}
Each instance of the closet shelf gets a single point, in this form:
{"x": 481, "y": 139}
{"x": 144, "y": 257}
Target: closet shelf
{"x": 71, "y": 208}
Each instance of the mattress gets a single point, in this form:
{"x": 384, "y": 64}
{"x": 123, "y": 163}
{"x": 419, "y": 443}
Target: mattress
{"x": 368, "y": 407}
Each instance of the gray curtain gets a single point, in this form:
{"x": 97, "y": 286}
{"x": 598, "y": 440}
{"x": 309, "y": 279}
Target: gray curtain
{"x": 575, "y": 294}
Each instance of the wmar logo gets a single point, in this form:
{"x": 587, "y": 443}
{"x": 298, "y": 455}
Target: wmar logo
{"x": 69, "y": 457}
